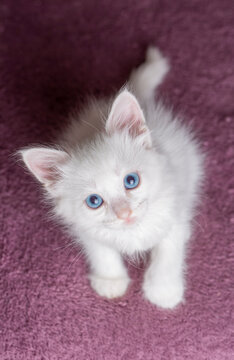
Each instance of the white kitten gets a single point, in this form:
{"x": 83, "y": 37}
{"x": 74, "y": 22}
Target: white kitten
{"x": 127, "y": 185}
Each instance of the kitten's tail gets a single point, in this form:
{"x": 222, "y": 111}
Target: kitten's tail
{"x": 149, "y": 75}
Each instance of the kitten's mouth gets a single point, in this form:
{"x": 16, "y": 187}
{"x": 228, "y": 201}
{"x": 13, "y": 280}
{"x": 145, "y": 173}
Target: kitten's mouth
{"x": 130, "y": 220}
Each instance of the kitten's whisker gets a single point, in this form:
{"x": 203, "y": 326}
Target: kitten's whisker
{"x": 199, "y": 225}
{"x": 133, "y": 262}
{"x": 63, "y": 247}
{"x": 77, "y": 257}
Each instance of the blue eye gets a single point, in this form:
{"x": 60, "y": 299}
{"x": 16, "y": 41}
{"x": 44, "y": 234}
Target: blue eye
{"x": 131, "y": 181}
{"x": 94, "y": 201}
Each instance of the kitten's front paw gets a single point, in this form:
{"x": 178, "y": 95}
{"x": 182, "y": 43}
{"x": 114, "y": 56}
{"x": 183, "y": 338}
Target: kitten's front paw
{"x": 109, "y": 288}
{"x": 164, "y": 296}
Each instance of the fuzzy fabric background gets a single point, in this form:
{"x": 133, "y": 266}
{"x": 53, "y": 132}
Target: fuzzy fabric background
{"x": 52, "y": 54}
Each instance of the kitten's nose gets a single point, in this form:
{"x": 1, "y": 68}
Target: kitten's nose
{"x": 123, "y": 213}
{"x": 121, "y": 209}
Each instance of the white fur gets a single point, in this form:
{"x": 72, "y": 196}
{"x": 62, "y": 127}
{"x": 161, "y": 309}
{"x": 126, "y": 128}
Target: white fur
{"x": 148, "y": 140}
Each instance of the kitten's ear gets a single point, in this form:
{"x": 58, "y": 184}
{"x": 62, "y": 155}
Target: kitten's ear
{"x": 44, "y": 163}
{"x": 126, "y": 114}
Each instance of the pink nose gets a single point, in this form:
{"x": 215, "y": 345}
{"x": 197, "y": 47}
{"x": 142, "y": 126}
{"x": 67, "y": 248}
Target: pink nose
{"x": 123, "y": 213}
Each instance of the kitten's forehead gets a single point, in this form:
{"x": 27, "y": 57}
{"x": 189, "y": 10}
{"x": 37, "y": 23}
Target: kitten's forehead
{"x": 114, "y": 152}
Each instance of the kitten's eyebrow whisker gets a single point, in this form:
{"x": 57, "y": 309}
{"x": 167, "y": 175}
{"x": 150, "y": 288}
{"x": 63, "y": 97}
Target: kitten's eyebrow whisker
{"x": 103, "y": 117}
{"x": 91, "y": 125}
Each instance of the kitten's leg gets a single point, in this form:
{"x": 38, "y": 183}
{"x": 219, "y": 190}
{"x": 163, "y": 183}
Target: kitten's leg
{"x": 164, "y": 280}
{"x": 145, "y": 79}
{"x": 108, "y": 276}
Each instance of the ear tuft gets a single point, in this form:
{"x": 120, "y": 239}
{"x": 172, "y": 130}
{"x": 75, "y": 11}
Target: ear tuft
{"x": 44, "y": 163}
{"x": 126, "y": 115}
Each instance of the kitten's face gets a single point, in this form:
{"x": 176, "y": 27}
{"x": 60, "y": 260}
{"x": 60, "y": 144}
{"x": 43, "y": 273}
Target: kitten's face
{"x": 113, "y": 188}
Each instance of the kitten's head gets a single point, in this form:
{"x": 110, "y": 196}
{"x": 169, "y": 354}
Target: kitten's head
{"x": 115, "y": 189}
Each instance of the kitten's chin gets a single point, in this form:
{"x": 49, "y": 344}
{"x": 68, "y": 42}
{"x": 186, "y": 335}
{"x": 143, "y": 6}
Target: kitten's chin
{"x": 122, "y": 224}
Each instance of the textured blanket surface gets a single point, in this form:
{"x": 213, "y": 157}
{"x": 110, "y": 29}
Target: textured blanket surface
{"x": 52, "y": 55}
